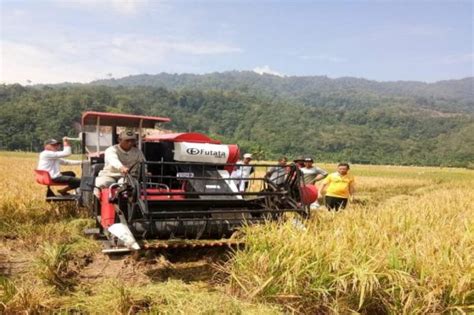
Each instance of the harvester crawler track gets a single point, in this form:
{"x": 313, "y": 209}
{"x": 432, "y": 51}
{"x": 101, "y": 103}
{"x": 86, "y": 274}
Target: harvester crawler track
{"x": 162, "y": 244}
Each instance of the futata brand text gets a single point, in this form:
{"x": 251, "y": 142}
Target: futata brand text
{"x": 196, "y": 151}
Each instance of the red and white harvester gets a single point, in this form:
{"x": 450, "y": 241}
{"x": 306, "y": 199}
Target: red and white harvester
{"x": 184, "y": 195}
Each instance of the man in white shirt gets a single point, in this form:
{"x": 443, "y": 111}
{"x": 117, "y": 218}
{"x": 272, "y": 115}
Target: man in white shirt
{"x": 51, "y": 158}
{"x": 120, "y": 159}
{"x": 243, "y": 171}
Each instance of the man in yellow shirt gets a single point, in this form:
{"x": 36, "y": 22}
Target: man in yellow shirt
{"x": 338, "y": 187}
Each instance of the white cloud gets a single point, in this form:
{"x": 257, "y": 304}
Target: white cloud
{"x": 458, "y": 58}
{"x": 267, "y": 70}
{"x": 426, "y": 30}
{"x": 325, "y": 58}
{"x": 21, "y": 63}
{"x": 16, "y": 13}
{"x": 125, "y": 7}
{"x": 403, "y": 31}
{"x": 61, "y": 59}
{"x": 201, "y": 48}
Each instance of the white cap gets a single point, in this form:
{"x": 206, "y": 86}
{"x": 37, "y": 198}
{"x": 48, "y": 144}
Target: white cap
{"x": 247, "y": 156}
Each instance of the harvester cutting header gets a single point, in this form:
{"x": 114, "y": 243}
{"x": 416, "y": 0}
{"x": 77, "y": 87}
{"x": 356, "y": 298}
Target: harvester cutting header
{"x": 185, "y": 186}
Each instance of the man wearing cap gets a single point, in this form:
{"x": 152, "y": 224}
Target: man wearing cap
{"x": 299, "y": 161}
{"x": 120, "y": 159}
{"x": 243, "y": 172}
{"x": 312, "y": 174}
{"x": 50, "y": 159}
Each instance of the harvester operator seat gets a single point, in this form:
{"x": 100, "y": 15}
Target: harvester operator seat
{"x": 42, "y": 177}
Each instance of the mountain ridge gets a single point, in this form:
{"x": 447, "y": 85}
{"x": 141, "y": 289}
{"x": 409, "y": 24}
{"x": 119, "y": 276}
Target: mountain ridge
{"x": 334, "y": 120}
{"x": 298, "y": 86}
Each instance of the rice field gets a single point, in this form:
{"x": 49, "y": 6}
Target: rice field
{"x": 405, "y": 246}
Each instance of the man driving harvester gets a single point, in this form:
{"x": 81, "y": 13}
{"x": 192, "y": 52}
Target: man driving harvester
{"x": 120, "y": 159}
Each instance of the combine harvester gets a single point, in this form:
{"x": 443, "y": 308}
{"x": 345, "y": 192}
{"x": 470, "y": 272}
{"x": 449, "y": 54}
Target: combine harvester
{"x": 184, "y": 196}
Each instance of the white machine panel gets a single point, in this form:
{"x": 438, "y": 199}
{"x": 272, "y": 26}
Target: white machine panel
{"x": 200, "y": 152}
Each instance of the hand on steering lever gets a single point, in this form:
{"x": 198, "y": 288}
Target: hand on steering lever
{"x": 124, "y": 170}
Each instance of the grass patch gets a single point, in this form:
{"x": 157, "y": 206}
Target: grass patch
{"x": 412, "y": 255}
{"x": 52, "y": 267}
{"x": 170, "y": 297}
{"x": 405, "y": 248}
{"x": 25, "y": 297}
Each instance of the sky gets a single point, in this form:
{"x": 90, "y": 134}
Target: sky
{"x": 53, "y": 41}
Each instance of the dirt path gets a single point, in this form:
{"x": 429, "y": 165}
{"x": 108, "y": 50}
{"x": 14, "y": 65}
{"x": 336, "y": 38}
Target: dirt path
{"x": 188, "y": 265}
{"x": 14, "y": 260}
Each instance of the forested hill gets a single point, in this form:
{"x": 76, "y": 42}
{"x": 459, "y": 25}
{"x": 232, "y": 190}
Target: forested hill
{"x": 334, "y": 120}
{"x": 459, "y": 92}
